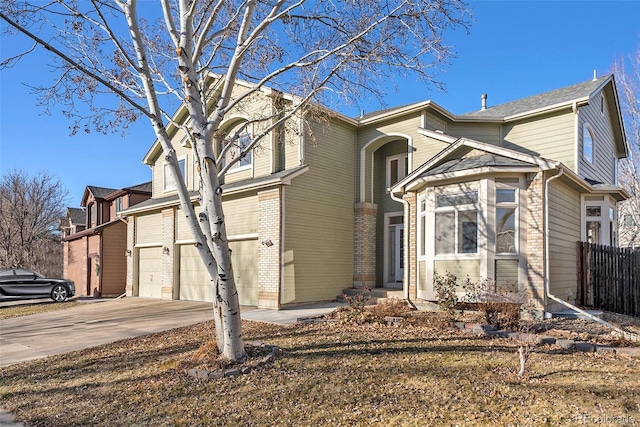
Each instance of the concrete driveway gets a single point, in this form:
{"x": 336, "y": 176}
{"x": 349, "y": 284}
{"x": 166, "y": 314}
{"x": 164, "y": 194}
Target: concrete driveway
{"x": 91, "y": 324}
{"x": 96, "y": 322}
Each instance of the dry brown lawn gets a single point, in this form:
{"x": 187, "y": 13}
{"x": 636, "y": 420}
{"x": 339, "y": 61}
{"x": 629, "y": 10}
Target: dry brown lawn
{"x": 29, "y": 309}
{"x": 328, "y": 374}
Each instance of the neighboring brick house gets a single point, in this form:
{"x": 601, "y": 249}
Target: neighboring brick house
{"x": 388, "y": 198}
{"x": 95, "y": 237}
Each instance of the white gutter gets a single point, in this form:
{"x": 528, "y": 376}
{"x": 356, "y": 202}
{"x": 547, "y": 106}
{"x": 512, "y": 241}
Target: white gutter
{"x": 405, "y": 267}
{"x": 624, "y": 334}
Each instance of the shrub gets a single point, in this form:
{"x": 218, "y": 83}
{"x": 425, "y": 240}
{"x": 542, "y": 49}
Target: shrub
{"x": 445, "y": 287}
{"x": 358, "y": 301}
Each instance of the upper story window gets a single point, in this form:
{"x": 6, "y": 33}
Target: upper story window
{"x": 238, "y": 150}
{"x": 588, "y": 143}
{"x": 118, "y": 204}
{"x": 397, "y": 168}
{"x": 456, "y": 228}
{"x": 169, "y": 181}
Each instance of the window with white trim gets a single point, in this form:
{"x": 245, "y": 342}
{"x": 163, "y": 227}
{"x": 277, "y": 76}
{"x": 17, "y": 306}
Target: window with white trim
{"x": 506, "y": 220}
{"x": 588, "y": 143}
{"x": 169, "y": 181}
{"x": 456, "y": 223}
{"x": 241, "y": 142}
{"x": 397, "y": 168}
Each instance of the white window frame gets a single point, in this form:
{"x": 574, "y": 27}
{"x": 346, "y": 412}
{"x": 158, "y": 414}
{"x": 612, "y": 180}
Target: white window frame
{"x": 608, "y": 225}
{"x": 588, "y": 130}
{"x": 402, "y": 170}
{"x": 239, "y": 166}
{"x": 457, "y": 210}
{"x": 170, "y": 184}
{"x": 516, "y": 205}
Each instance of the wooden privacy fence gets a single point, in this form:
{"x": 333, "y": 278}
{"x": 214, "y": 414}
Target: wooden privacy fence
{"x": 609, "y": 278}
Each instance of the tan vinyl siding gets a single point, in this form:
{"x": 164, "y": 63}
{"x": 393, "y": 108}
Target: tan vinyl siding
{"x": 426, "y": 148}
{"x": 507, "y": 274}
{"x": 114, "y": 262}
{"x": 434, "y": 122}
{"x": 318, "y": 240}
{"x": 183, "y": 232}
{"x": 241, "y": 213}
{"x": 550, "y": 136}
{"x": 462, "y": 268}
{"x": 484, "y": 132}
{"x": 289, "y": 144}
{"x": 602, "y": 169}
{"x": 392, "y": 129}
{"x": 148, "y": 228}
{"x": 564, "y": 232}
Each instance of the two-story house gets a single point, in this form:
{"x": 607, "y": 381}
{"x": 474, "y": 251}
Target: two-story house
{"x": 391, "y": 197}
{"x": 94, "y": 239}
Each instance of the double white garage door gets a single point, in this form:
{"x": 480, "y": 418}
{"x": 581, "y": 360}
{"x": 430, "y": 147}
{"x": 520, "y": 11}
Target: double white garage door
{"x": 193, "y": 280}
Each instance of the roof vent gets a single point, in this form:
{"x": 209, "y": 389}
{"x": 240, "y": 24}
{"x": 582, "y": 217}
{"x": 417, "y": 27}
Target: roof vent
{"x": 595, "y": 75}
{"x": 483, "y": 97}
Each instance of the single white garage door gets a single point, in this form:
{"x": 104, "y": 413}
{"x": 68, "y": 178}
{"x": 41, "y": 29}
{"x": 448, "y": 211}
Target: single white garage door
{"x": 150, "y": 272}
{"x": 195, "y": 284}
{"x": 244, "y": 255}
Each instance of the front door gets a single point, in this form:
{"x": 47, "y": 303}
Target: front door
{"x": 396, "y": 234}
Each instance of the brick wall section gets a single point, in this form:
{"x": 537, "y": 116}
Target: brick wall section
{"x": 535, "y": 241}
{"x": 168, "y": 239}
{"x": 269, "y": 230}
{"x": 131, "y": 221}
{"x": 365, "y": 245}
{"x": 411, "y": 245}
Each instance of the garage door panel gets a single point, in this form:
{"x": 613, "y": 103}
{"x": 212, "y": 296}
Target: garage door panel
{"x": 150, "y": 272}
{"x": 195, "y": 283}
{"x": 244, "y": 255}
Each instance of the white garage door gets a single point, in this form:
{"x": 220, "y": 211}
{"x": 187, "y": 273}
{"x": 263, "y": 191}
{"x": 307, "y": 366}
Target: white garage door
{"x": 244, "y": 255}
{"x": 150, "y": 272}
{"x": 195, "y": 283}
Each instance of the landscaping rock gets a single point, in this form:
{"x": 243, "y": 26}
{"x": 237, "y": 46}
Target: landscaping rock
{"x": 584, "y": 347}
{"x": 566, "y": 344}
{"x": 233, "y": 372}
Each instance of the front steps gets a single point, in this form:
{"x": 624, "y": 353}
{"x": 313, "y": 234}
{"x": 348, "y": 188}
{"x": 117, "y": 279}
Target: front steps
{"x": 376, "y": 295}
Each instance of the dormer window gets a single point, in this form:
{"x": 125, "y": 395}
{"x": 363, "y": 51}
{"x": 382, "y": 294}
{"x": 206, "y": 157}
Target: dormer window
{"x": 588, "y": 144}
{"x": 169, "y": 181}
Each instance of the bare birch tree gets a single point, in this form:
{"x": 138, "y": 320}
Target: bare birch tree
{"x": 302, "y": 53}
{"x": 628, "y": 79}
{"x": 30, "y": 210}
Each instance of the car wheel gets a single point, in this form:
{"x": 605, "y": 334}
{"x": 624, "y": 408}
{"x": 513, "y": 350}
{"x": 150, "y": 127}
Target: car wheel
{"x": 59, "y": 293}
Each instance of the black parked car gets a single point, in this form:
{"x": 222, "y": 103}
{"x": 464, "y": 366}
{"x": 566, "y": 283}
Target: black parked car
{"x": 22, "y": 283}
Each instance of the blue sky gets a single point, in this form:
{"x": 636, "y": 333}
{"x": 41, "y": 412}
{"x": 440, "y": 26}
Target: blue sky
{"x": 514, "y": 49}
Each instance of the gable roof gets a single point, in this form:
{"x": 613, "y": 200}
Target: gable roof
{"x": 145, "y": 187}
{"x": 475, "y": 161}
{"x": 467, "y": 156}
{"x": 580, "y": 92}
{"x": 100, "y": 192}
{"x": 76, "y": 215}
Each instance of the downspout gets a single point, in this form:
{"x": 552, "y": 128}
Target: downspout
{"x": 405, "y": 269}
{"x": 624, "y": 334}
